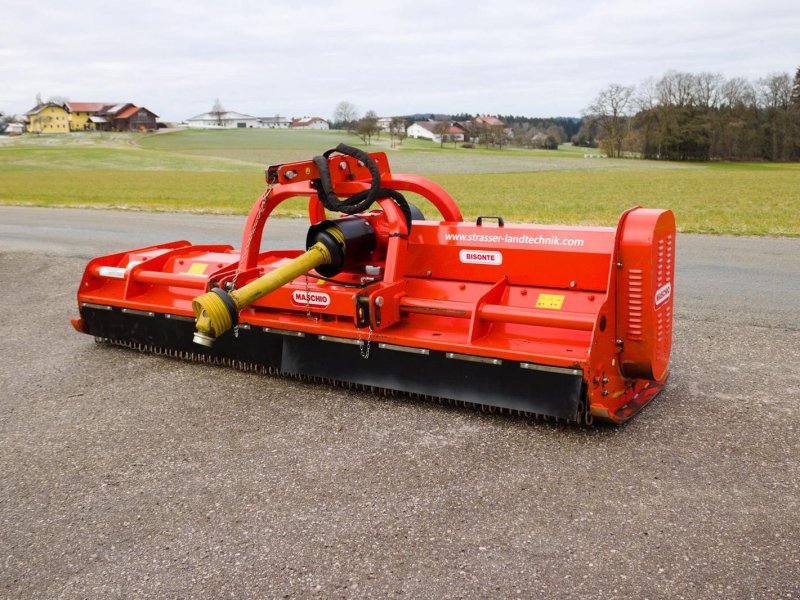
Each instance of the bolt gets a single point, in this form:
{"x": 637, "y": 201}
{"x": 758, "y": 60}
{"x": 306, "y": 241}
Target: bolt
{"x": 290, "y": 175}
{"x": 342, "y": 165}
{"x": 572, "y": 284}
{"x": 619, "y": 265}
{"x": 605, "y": 392}
{"x": 379, "y": 301}
{"x": 605, "y": 380}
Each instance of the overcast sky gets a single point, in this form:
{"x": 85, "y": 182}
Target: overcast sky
{"x": 301, "y": 58}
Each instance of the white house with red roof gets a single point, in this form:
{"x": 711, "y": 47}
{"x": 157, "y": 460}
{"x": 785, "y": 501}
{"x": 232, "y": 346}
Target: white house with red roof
{"x": 434, "y": 130}
{"x": 310, "y": 123}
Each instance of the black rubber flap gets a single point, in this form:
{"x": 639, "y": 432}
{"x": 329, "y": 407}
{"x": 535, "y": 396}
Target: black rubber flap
{"x": 506, "y": 385}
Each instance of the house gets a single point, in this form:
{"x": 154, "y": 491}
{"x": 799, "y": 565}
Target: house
{"x": 90, "y": 116}
{"x": 134, "y": 118}
{"x": 276, "y": 122}
{"x": 48, "y": 117}
{"x": 223, "y": 120}
{"x": 433, "y": 130}
{"x": 14, "y": 127}
{"x": 124, "y": 116}
{"x": 385, "y": 123}
{"x": 310, "y": 123}
{"x": 81, "y": 113}
{"x": 489, "y": 121}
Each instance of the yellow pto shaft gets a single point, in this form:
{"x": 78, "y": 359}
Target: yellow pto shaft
{"x": 216, "y": 310}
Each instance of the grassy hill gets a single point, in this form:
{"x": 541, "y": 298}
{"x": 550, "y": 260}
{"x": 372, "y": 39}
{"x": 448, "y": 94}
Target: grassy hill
{"x": 222, "y": 172}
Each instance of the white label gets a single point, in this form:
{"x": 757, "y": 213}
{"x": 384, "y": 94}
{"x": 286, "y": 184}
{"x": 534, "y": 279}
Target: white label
{"x": 481, "y": 257}
{"x": 313, "y": 299}
{"x": 663, "y": 293}
{"x": 115, "y": 272}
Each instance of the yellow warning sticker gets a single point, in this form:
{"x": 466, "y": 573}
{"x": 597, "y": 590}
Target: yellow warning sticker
{"x": 197, "y": 269}
{"x": 551, "y": 301}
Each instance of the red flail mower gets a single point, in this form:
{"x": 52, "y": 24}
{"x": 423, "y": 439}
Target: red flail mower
{"x": 570, "y": 323}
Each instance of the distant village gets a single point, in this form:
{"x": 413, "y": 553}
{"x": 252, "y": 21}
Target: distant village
{"x": 63, "y": 116}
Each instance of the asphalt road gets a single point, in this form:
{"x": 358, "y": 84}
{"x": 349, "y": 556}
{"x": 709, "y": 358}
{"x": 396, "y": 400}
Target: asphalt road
{"x": 129, "y": 475}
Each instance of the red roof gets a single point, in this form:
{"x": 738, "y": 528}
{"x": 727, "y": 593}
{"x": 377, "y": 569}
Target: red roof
{"x": 85, "y": 106}
{"x": 490, "y": 121}
{"x": 128, "y": 112}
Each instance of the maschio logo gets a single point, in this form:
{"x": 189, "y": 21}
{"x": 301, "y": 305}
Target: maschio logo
{"x": 481, "y": 257}
{"x": 663, "y": 293}
{"x": 313, "y": 299}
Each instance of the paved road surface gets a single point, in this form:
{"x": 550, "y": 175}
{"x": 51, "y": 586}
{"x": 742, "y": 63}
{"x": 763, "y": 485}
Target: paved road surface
{"x": 128, "y": 475}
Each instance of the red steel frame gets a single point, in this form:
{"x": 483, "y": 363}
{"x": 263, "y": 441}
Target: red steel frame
{"x": 428, "y": 298}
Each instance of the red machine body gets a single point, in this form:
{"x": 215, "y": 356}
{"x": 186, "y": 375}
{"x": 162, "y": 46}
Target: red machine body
{"x": 586, "y": 311}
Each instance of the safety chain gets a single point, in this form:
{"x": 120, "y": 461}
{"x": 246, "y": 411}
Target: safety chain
{"x": 309, "y": 316}
{"x": 246, "y": 248}
{"x": 364, "y": 347}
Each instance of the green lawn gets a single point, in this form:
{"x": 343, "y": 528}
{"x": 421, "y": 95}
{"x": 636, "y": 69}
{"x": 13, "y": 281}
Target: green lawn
{"x": 222, "y": 171}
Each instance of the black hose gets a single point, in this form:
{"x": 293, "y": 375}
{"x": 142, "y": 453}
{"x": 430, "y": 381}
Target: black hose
{"x": 362, "y": 200}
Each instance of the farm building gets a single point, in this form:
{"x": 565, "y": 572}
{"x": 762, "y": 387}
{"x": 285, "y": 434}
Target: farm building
{"x": 276, "y": 122}
{"x": 90, "y": 116}
{"x": 433, "y": 130}
{"x": 223, "y": 120}
{"x": 48, "y": 117}
{"x": 310, "y": 123}
{"x": 81, "y": 113}
{"x": 134, "y": 118}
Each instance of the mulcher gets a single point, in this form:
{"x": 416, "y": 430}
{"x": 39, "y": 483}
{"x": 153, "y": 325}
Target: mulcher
{"x": 569, "y": 323}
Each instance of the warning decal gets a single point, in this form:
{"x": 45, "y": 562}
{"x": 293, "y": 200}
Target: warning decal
{"x": 551, "y": 301}
{"x": 197, "y": 268}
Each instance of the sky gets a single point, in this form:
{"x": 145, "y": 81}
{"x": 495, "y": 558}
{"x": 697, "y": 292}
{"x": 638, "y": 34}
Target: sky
{"x": 301, "y": 58}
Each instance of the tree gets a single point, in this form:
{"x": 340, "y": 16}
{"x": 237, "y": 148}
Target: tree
{"x": 610, "y": 111}
{"x": 397, "y": 130}
{"x": 218, "y": 112}
{"x": 440, "y": 129}
{"x": 367, "y": 126}
{"x": 498, "y": 136}
{"x": 775, "y": 98}
{"x": 60, "y": 100}
{"x": 795, "y": 97}
{"x": 345, "y": 115}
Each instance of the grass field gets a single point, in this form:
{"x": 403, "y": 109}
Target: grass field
{"x": 222, "y": 171}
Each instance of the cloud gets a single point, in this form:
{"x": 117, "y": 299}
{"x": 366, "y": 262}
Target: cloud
{"x": 534, "y": 58}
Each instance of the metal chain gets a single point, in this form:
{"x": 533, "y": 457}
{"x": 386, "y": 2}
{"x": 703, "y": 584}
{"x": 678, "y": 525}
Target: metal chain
{"x": 308, "y": 303}
{"x": 365, "y": 347}
{"x": 263, "y": 203}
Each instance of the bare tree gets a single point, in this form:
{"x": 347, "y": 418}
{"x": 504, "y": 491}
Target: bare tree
{"x": 397, "y": 130}
{"x": 440, "y": 129}
{"x": 498, "y": 135}
{"x": 775, "y": 97}
{"x": 708, "y": 89}
{"x": 367, "y": 127}
{"x": 346, "y": 114}
{"x": 60, "y": 100}
{"x": 218, "y": 112}
{"x": 610, "y": 111}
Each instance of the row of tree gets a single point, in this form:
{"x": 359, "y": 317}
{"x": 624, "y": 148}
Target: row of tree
{"x": 698, "y": 116}
{"x": 501, "y": 131}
